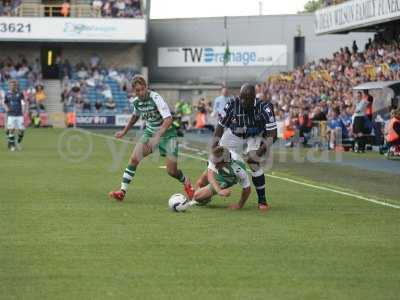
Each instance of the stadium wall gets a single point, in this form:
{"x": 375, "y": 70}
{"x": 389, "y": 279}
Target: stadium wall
{"x": 189, "y": 93}
{"x": 240, "y": 31}
{"x": 112, "y": 55}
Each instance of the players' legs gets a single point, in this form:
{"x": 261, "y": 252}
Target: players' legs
{"x": 11, "y": 139}
{"x": 202, "y": 181}
{"x": 256, "y": 165}
{"x": 169, "y": 148}
{"x": 139, "y": 153}
{"x": 173, "y": 171}
{"x": 232, "y": 142}
{"x": 204, "y": 194}
{"x": 11, "y": 130}
{"x": 258, "y": 179}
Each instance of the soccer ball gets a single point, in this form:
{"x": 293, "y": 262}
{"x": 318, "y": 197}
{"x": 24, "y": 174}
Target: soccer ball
{"x": 177, "y": 203}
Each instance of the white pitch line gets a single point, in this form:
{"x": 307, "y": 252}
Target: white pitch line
{"x": 314, "y": 186}
{"x": 323, "y": 188}
{"x": 318, "y": 187}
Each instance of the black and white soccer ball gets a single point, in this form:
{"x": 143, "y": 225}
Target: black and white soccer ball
{"x": 177, "y": 203}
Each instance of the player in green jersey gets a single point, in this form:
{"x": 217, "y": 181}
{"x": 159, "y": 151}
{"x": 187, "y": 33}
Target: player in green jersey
{"x": 225, "y": 169}
{"x": 153, "y": 109}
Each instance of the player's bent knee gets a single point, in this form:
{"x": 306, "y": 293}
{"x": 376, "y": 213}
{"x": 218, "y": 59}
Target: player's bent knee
{"x": 173, "y": 172}
{"x": 257, "y": 173}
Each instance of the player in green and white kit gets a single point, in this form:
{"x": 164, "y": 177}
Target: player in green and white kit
{"x": 225, "y": 169}
{"x": 153, "y": 109}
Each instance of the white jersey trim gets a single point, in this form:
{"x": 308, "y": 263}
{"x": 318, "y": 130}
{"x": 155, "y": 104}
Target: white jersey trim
{"x": 162, "y": 106}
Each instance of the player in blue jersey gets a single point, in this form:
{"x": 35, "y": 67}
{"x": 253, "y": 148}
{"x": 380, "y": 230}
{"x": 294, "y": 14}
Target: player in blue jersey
{"x": 248, "y": 127}
{"x": 14, "y": 106}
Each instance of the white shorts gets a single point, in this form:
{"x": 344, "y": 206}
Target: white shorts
{"x": 243, "y": 146}
{"x": 15, "y": 122}
{"x": 240, "y": 145}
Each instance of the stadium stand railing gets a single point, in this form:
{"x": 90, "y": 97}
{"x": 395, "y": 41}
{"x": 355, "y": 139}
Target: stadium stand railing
{"x": 47, "y": 10}
{"x": 81, "y": 10}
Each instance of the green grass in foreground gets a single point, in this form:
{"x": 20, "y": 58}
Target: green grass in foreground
{"x": 62, "y": 238}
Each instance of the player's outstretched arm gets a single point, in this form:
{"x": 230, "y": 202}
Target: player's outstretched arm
{"x": 216, "y": 186}
{"x": 243, "y": 198}
{"x": 132, "y": 121}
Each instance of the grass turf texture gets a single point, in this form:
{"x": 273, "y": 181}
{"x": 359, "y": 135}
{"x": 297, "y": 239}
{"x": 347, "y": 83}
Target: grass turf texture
{"x": 62, "y": 238}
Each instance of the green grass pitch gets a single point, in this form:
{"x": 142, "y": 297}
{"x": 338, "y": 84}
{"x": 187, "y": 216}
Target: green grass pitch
{"x": 62, "y": 238}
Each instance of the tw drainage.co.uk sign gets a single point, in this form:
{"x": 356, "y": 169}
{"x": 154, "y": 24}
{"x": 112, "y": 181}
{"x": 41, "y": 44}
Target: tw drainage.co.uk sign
{"x": 238, "y": 56}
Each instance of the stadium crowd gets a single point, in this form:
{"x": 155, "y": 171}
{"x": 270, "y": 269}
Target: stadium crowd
{"x": 9, "y": 8}
{"x": 322, "y": 90}
{"x": 117, "y": 8}
{"x": 93, "y": 88}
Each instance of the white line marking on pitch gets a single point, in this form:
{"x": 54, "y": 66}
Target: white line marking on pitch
{"x": 314, "y": 186}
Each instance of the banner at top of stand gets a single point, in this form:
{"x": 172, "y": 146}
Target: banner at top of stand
{"x": 355, "y": 14}
{"x": 73, "y": 29}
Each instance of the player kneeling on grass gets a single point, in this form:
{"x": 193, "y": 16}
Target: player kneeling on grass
{"x": 158, "y": 133}
{"x": 224, "y": 171}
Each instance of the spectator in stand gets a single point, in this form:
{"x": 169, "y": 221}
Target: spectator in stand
{"x": 201, "y": 115}
{"x": 82, "y": 73}
{"x": 183, "y": 111}
{"x": 318, "y": 114}
{"x": 325, "y": 84}
{"x": 73, "y": 97}
{"x": 40, "y": 97}
{"x": 370, "y": 101}
{"x": 360, "y": 128}
{"x": 120, "y": 6}
{"x": 220, "y": 102}
{"x": 117, "y": 8}
{"x": 111, "y": 106}
{"x": 94, "y": 61}
{"x": 87, "y": 107}
{"x": 96, "y": 6}
{"x": 337, "y": 130}
{"x": 98, "y": 106}
{"x": 355, "y": 47}
{"x": 30, "y": 99}
{"x": 65, "y": 8}
{"x": 305, "y": 126}
{"x": 107, "y": 93}
{"x": 7, "y": 8}
{"x": 369, "y": 44}
{"x": 79, "y": 104}
{"x": 393, "y": 130}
